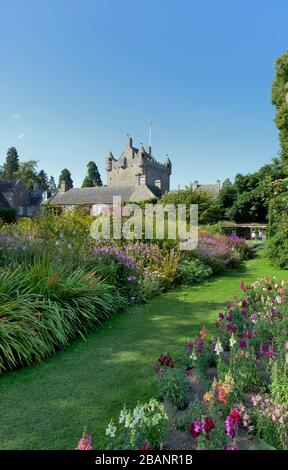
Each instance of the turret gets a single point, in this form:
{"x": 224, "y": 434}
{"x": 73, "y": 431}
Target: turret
{"x": 109, "y": 159}
{"x": 168, "y": 165}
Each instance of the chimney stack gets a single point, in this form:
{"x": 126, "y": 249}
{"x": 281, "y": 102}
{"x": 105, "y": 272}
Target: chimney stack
{"x": 63, "y": 187}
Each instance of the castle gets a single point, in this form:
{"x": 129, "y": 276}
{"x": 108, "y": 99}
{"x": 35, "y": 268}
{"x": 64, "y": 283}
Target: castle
{"x": 136, "y": 176}
{"x": 137, "y": 167}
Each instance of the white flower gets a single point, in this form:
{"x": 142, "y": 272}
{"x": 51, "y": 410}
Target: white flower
{"x": 138, "y": 415}
{"x": 193, "y": 356}
{"x": 61, "y": 234}
{"x": 123, "y": 416}
{"x": 232, "y": 340}
{"x": 218, "y": 347}
{"x": 111, "y": 430}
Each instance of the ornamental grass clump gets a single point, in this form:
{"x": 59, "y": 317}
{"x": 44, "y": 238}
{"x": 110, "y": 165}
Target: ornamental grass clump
{"x": 42, "y": 310}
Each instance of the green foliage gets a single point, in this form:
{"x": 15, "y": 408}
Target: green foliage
{"x": 93, "y": 177}
{"x": 42, "y": 309}
{"x": 51, "y": 184}
{"x": 248, "y": 198}
{"x": 279, "y": 100}
{"x": 243, "y": 369}
{"x": 278, "y": 250}
{"x": 42, "y": 180}
{"x": 173, "y": 387}
{"x": 192, "y": 271}
{"x": 146, "y": 425}
{"x": 208, "y": 207}
{"x": 11, "y": 165}
{"x": 7, "y": 215}
{"x": 279, "y": 380}
{"x": 65, "y": 175}
{"x": 278, "y": 231}
{"x": 27, "y": 172}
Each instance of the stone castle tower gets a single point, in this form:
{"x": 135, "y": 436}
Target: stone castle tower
{"x": 137, "y": 167}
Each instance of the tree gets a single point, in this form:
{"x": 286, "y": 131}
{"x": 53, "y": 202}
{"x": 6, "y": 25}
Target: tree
{"x": 227, "y": 195}
{"x": 93, "y": 177}
{"x": 42, "y": 180}
{"x": 209, "y": 211}
{"x": 280, "y": 101}
{"x": 248, "y": 198}
{"x": 66, "y": 176}
{"x": 28, "y": 172}
{"x": 51, "y": 184}
{"x": 11, "y": 165}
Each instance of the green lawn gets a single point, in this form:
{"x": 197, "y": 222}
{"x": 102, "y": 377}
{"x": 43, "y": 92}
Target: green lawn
{"x": 46, "y": 406}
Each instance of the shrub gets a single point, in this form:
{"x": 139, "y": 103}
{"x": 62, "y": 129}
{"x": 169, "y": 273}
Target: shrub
{"x": 192, "y": 271}
{"x": 278, "y": 250}
{"x": 278, "y": 231}
{"x": 8, "y": 216}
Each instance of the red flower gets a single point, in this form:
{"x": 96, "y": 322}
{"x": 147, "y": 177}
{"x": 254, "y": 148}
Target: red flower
{"x": 209, "y": 424}
{"x": 235, "y": 417}
{"x": 191, "y": 429}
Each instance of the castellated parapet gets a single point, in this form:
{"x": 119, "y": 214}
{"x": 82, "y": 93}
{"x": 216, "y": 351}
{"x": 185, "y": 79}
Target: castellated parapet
{"x": 137, "y": 167}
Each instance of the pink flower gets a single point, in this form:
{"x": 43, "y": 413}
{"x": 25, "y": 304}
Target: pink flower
{"x": 85, "y": 442}
{"x": 242, "y": 286}
{"x": 145, "y": 446}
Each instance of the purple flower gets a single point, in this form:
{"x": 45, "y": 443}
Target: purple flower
{"x": 242, "y": 343}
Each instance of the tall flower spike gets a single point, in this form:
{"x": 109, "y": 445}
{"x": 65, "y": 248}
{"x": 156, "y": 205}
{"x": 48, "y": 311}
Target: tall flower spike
{"x": 218, "y": 347}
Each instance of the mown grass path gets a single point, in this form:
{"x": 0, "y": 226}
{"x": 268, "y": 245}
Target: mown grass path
{"x": 46, "y": 406}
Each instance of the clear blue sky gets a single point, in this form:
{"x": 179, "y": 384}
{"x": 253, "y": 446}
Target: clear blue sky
{"x": 77, "y": 75}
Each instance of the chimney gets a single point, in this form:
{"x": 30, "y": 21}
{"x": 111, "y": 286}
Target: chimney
{"x": 158, "y": 183}
{"x": 63, "y": 187}
{"x": 149, "y": 149}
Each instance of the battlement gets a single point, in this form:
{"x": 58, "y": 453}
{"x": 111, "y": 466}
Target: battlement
{"x": 135, "y": 163}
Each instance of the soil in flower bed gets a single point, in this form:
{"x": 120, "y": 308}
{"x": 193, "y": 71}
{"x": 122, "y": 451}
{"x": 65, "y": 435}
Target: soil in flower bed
{"x": 178, "y": 439}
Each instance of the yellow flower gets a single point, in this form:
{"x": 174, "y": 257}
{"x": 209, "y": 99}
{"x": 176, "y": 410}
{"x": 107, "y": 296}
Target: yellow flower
{"x": 208, "y": 396}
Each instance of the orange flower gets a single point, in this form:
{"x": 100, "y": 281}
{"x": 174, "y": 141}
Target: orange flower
{"x": 203, "y": 333}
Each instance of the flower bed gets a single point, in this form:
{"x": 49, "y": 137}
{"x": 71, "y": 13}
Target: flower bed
{"x": 229, "y": 392}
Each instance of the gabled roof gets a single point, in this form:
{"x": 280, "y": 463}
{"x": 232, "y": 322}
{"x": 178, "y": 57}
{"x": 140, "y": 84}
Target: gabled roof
{"x": 7, "y": 185}
{"x": 4, "y": 204}
{"x": 100, "y": 195}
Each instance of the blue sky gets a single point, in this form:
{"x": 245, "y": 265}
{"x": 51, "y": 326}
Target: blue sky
{"x": 76, "y": 76}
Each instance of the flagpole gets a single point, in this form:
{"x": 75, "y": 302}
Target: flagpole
{"x": 150, "y": 132}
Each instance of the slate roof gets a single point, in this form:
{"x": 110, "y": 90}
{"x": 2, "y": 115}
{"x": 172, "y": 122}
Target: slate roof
{"x": 7, "y": 185}
{"x": 102, "y": 195}
{"x": 4, "y": 204}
